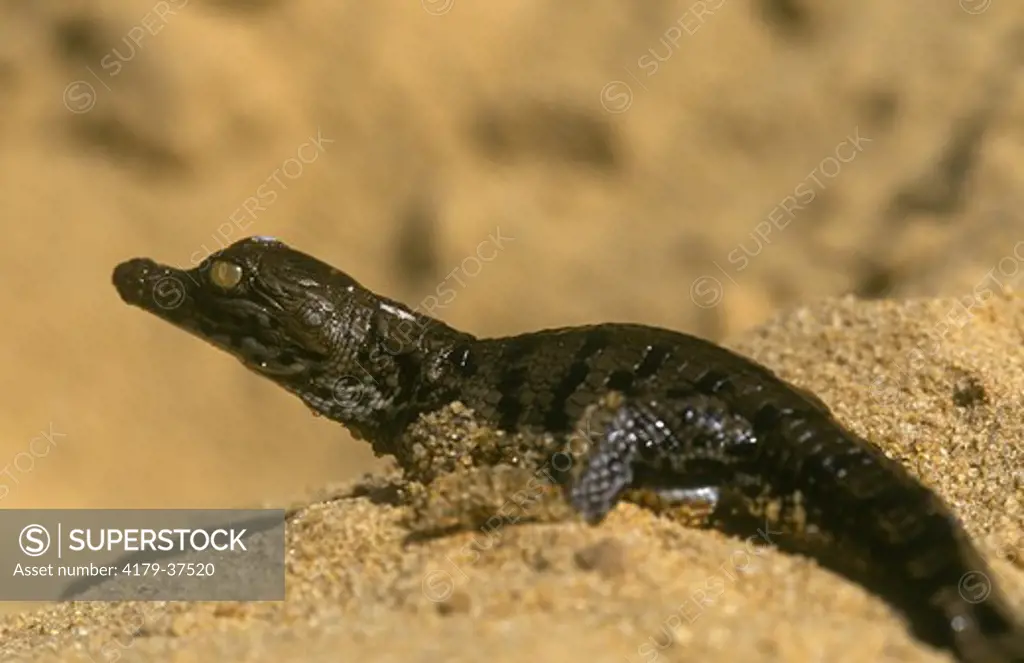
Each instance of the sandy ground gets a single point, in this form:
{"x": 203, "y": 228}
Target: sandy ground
{"x": 357, "y": 590}
{"x": 695, "y": 166}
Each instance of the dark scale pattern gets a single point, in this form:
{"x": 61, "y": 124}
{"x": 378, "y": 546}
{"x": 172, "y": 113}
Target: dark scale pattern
{"x": 660, "y": 413}
{"x": 668, "y": 440}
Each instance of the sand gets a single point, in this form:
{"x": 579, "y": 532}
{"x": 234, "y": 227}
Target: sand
{"x": 625, "y": 590}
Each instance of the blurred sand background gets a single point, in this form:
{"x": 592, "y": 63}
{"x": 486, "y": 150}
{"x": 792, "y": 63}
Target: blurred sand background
{"x": 644, "y": 162}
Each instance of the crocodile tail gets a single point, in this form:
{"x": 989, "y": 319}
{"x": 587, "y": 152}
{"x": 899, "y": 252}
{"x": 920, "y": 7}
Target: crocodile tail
{"x": 910, "y": 546}
{"x": 981, "y": 624}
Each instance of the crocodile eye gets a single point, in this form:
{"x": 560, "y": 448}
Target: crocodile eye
{"x": 225, "y": 274}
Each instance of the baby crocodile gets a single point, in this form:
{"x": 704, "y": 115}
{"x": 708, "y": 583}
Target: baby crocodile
{"x": 663, "y": 414}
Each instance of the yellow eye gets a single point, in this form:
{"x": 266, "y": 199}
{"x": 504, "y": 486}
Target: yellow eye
{"x": 225, "y": 274}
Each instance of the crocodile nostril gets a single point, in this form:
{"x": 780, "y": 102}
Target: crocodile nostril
{"x": 130, "y": 278}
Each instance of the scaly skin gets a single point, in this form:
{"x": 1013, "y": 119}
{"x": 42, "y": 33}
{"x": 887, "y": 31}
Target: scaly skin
{"x": 661, "y": 413}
